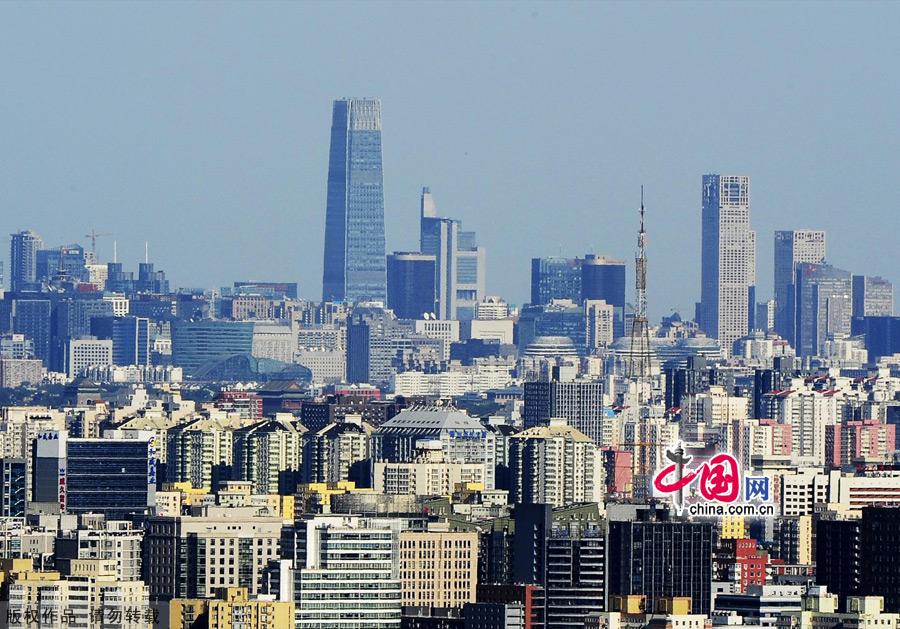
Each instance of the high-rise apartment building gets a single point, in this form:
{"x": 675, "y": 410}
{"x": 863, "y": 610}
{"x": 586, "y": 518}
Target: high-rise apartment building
{"x": 873, "y": 296}
{"x": 579, "y": 402}
{"x": 460, "y": 262}
{"x": 354, "y": 265}
{"x": 554, "y": 464}
{"x": 728, "y": 266}
{"x": 23, "y": 250}
{"x": 410, "y": 284}
{"x": 793, "y": 248}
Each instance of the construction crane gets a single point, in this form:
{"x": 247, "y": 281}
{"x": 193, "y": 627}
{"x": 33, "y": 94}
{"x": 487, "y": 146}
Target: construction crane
{"x": 94, "y": 235}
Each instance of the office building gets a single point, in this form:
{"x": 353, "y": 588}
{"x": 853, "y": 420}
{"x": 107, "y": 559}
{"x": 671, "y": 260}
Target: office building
{"x": 410, "y": 284}
{"x": 66, "y": 262}
{"x": 23, "y": 250}
{"x": 793, "y": 248}
{"x": 604, "y": 279}
{"x": 599, "y": 319}
{"x": 114, "y": 476}
{"x": 438, "y": 568}
{"x": 872, "y": 296}
{"x": 554, "y": 464}
{"x": 882, "y": 335}
{"x": 194, "y": 556}
{"x": 347, "y": 572}
{"x": 86, "y": 352}
{"x": 579, "y": 402}
{"x": 13, "y": 487}
{"x": 823, "y": 297}
{"x": 33, "y": 318}
{"x": 198, "y": 343}
{"x": 555, "y": 278}
{"x": 130, "y": 338}
{"x": 460, "y": 262}
{"x": 462, "y": 438}
{"x": 728, "y": 260}
{"x": 559, "y": 318}
{"x": 659, "y": 558}
{"x": 354, "y": 260}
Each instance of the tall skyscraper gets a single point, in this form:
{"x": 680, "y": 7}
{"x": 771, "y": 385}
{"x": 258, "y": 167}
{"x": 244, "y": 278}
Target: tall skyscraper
{"x": 410, "y": 284}
{"x": 460, "y": 267}
{"x": 793, "y": 248}
{"x": 604, "y": 278}
{"x": 728, "y": 270}
{"x": 824, "y": 298}
{"x": 354, "y": 267}
{"x": 23, "y": 260}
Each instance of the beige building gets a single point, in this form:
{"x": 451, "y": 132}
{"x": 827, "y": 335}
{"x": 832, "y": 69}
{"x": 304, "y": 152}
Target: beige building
{"x": 438, "y": 568}
{"x": 231, "y": 609}
{"x": 428, "y": 475}
{"x": 227, "y": 546}
{"x": 88, "y": 590}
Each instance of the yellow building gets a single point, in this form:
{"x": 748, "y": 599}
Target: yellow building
{"x": 734, "y": 527}
{"x": 231, "y": 608}
{"x": 438, "y": 568}
{"x": 314, "y": 495}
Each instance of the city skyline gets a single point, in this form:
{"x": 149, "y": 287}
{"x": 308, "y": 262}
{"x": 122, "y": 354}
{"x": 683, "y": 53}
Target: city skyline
{"x": 266, "y": 154}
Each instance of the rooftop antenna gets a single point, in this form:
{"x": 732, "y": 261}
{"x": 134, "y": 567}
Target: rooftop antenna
{"x": 146, "y": 252}
{"x": 115, "y": 251}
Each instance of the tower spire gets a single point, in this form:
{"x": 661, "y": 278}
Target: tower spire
{"x": 639, "y": 351}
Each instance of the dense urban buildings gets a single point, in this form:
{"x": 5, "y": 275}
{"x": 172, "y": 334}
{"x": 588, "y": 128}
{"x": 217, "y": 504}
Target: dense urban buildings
{"x": 414, "y": 452}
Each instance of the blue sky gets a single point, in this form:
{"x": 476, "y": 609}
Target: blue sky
{"x": 203, "y": 128}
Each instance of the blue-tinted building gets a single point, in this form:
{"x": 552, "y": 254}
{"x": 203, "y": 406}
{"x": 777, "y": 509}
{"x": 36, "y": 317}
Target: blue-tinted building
{"x": 410, "y": 284}
{"x": 198, "y": 343}
{"x": 603, "y": 278}
{"x": 354, "y": 264}
{"x": 882, "y": 335}
{"x": 13, "y": 488}
{"x": 555, "y": 278}
{"x": 65, "y": 261}
{"x": 130, "y": 336}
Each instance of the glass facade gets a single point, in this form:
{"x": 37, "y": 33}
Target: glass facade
{"x": 555, "y": 278}
{"x": 410, "y": 279}
{"x": 354, "y": 263}
{"x": 602, "y": 278}
{"x": 108, "y": 476}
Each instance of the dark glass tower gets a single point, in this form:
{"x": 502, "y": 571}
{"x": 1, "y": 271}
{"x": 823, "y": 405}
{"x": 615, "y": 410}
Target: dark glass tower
{"x": 354, "y": 268}
{"x": 410, "y": 282}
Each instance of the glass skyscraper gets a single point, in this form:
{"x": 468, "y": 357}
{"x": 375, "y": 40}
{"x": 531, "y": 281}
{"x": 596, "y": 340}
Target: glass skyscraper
{"x": 354, "y": 220}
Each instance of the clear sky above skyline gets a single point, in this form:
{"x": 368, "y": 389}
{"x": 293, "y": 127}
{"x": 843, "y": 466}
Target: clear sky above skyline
{"x": 204, "y": 129}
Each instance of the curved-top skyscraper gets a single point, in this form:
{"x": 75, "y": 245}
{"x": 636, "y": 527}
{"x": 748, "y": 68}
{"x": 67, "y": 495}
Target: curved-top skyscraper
{"x": 354, "y": 268}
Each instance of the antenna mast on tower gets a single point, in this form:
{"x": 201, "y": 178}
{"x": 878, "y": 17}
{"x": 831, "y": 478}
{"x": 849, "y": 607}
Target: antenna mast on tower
{"x": 639, "y": 350}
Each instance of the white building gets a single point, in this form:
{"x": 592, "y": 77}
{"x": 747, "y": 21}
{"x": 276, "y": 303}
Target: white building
{"x": 87, "y": 352}
{"x": 347, "y": 572}
{"x": 728, "y": 269}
